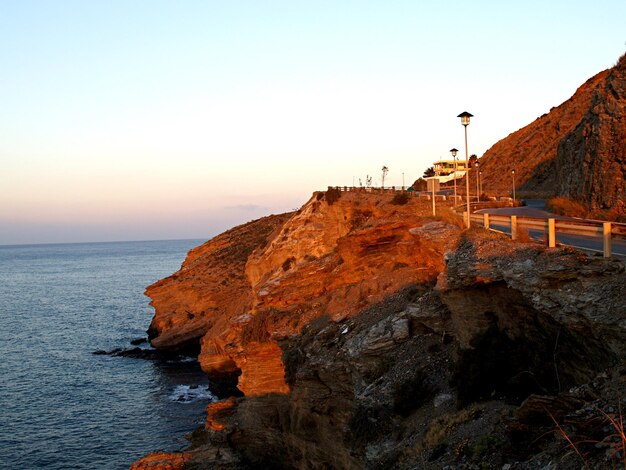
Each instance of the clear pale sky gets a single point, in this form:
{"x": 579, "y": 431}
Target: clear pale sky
{"x": 135, "y": 120}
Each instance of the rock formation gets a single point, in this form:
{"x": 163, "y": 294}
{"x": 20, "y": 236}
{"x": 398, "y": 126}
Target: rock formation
{"x": 239, "y": 294}
{"x": 365, "y": 334}
{"x": 577, "y": 150}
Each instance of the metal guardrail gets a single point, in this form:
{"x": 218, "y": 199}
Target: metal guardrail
{"x": 606, "y": 231}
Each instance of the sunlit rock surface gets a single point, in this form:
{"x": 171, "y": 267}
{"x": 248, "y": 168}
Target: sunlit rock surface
{"x": 399, "y": 341}
{"x": 577, "y": 149}
{"x": 242, "y": 292}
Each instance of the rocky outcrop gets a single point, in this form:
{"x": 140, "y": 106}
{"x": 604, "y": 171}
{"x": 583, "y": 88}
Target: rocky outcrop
{"x": 398, "y": 384}
{"x": 162, "y": 461}
{"x": 576, "y": 150}
{"x": 465, "y": 373}
{"x": 397, "y": 341}
{"x": 237, "y": 296}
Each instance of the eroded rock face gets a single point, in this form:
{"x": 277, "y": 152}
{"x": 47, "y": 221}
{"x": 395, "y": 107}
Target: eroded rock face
{"x": 495, "y": 279}
{"x": 243, "y": 292}
{"x": 366, "y": 363}
{"x": 387, "y": 388}
{"x": 209, "y": 289}
{"x": 576, "y": 150}
{"x": 162, "y": 461}
{"x": 559, "y": 315}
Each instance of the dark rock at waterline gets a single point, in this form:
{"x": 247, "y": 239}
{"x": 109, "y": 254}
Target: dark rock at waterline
{"x": 101, "y": 352}
{"x": 138, "y": 341}
{"x": 138, "y": 353}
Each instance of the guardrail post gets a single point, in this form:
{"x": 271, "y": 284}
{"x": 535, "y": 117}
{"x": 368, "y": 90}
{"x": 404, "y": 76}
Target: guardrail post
{"x": 606, "y": 235}
{"x": 551, "y": 233}
{"x": 466, "y": 218}
{"x": 486, "y": 221}
{"x": 513, "y": 227}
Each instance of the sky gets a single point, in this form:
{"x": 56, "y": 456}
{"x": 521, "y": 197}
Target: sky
{"x": 149, "y": 119}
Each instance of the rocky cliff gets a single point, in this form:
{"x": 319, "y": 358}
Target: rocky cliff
{"x": 577, "y": 150}
{"x": 238, "y": 295}
{"x": 365, "y": 334}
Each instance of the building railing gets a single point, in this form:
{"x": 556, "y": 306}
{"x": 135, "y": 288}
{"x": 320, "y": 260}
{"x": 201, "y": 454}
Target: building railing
{"x": 365, "y": 189}
{"x": 400, "y": 189}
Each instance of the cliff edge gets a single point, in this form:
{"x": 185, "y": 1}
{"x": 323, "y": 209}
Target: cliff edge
{"x": 238, "y": 295}
{"x": 364, "y": 333}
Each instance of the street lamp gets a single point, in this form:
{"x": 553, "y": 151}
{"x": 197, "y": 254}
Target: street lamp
{"x": 480, "y": 181}
{"x": 465, "y": 120}
{"x": 454, "y": 151}
{"x": 477, "y": 192}
{"x": 513, "y": 177}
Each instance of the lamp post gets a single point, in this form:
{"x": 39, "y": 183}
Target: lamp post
{"x": 477, "y": 190}
{"x": 465, "y": 120}
{"x": 432, "y": 181}
{"x": 480, "y": 181}
{"x": 513, "y": 177}
{"x": 454, "y": 151}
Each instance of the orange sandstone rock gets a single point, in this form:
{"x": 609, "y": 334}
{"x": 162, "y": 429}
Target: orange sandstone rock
{"x": 217, "y": 412}
{"x": 161, "y": 461}
{"x": 243, "y": 292}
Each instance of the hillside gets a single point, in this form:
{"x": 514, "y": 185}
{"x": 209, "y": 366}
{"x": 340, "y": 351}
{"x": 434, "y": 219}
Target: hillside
{"x": 358, "y": 333}
{"x": 577, "y": 150}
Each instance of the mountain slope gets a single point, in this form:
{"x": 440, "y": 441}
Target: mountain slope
{"x": 577, "y": 150}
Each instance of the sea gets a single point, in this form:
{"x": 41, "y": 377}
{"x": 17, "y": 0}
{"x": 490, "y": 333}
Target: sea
{"x": 61, "y": 406}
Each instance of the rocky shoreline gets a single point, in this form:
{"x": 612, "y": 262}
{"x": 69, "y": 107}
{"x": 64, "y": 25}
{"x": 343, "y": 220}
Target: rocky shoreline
{"x": 362, "y": 334}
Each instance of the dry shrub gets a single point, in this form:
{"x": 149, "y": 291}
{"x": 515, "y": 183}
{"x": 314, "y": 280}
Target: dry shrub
{"x": 523, "y": 235}
{"x": 570, "y": 208}
{"x": 610, "y": 215}
{"x": 400, "y": 199}
{"x": 447, "y": 215}
{"x": 567, "y": 207}
{"x": 332, "y": 195}
{"x": 440, "y": 427}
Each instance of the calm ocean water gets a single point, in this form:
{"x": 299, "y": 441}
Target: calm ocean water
{"x": 62, "y": 407}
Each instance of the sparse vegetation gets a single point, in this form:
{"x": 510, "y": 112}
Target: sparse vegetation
{"x": 571, "y": 208}
{"x": 440, "y": 427}
{"x": 359, "y": 218}
{"x": 332, "y": 195}
{"x": 419, "y": 184}
{"x": 400, "y": 199}
{"x": 567, "y": 207}
{"x": 412, "y": 394}
{"x": 486, "y": 444}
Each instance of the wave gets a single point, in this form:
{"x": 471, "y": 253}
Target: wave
{"x": 191, "y": 393}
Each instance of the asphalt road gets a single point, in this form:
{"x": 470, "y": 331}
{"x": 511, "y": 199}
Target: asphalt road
{"x": 536, "y": 209}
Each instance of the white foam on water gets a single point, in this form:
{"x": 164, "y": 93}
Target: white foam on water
{"x": 190, "y": 393}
